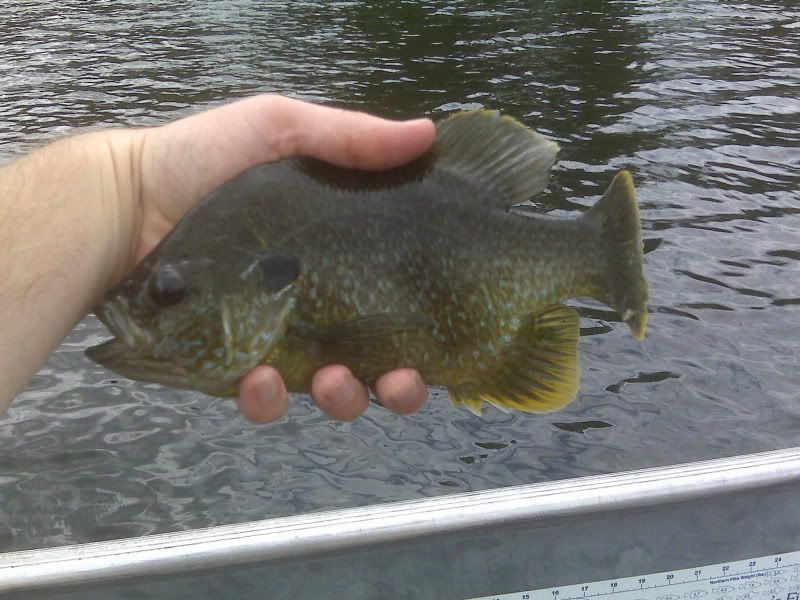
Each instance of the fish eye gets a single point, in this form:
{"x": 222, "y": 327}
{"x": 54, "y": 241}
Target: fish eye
{"x": 167, "y": 286}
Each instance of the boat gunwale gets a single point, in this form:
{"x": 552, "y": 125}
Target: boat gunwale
{"x": 345, "y": 529}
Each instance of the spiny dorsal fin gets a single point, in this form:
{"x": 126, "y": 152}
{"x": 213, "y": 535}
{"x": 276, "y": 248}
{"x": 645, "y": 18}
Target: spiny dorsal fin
{"x": 498, "y": 151}
{"x": 538, "y": 370}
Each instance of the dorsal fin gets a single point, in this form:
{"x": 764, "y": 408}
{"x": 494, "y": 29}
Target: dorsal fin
{"x": 498, "y": 151}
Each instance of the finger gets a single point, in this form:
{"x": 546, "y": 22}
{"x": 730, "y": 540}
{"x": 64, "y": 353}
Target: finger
{"x": 338, "y": 394}
{"x": 401, "y": 391}
{"x": 262, "y": 395}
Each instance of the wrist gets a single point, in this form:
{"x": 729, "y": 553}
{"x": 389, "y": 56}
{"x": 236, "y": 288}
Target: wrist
{"x": 66, "y": 225}
{"x": 118, "y": 156}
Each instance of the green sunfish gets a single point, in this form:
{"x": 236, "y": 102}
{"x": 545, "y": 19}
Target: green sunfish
{"x": 299, "y": 264}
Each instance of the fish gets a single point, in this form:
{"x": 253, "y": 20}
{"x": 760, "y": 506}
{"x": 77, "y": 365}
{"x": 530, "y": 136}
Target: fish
{"x": 300, "y": 264}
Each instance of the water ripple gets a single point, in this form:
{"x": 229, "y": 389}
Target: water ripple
{"x": 698, "y": 99}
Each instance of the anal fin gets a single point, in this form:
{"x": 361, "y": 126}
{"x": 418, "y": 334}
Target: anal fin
{"x": 537, "y": 372}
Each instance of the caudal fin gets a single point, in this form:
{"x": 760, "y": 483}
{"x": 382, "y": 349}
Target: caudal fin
{"x": 626, "y": 288}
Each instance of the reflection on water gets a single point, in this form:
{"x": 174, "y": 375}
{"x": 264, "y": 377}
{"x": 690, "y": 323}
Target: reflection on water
{"x": 698, "y": 98}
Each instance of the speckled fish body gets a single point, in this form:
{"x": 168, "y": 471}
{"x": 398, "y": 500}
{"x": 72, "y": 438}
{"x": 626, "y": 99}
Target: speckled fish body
{"x": 298, "y": 265}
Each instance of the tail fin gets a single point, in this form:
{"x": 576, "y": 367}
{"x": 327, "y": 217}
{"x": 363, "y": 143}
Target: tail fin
{"x": 617, "y": 214}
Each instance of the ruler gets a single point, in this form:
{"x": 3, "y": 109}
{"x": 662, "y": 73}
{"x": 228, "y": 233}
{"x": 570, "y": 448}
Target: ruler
{"x": 773, "y": 577}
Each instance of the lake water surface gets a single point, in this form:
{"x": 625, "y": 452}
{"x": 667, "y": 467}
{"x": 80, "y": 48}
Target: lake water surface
{"x": 700, "y": 99}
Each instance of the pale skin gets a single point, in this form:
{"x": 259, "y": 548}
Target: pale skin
{"x": 77, "y": 215}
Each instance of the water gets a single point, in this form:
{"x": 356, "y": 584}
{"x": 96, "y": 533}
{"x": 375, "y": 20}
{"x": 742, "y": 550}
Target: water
{"x": 699, "y": 99}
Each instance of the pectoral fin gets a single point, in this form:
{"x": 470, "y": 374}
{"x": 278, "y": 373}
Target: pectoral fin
{"x": 369, "y": 345}
{"x": 372, "y": 328}
{"x": 537, "y": 372}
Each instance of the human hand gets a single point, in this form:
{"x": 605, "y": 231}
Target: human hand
{"x": 160, "y": 173}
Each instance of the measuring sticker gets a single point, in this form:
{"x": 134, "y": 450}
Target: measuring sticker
{"x": 774, "y": 577}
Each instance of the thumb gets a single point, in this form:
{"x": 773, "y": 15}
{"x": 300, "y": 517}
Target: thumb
{"x": 190, "y": 157}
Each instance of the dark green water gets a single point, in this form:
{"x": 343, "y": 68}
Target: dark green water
{"x": 699, "y": 99}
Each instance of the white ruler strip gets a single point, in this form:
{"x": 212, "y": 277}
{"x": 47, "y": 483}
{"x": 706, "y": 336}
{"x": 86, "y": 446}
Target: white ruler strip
{"x": 773, "y": 577}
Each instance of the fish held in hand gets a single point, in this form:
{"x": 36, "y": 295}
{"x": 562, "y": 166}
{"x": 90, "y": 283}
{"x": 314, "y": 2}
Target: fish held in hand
{"x": 299, "y": 264}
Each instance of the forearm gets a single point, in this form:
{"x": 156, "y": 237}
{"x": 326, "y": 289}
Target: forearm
{"x": 60, "y": 247}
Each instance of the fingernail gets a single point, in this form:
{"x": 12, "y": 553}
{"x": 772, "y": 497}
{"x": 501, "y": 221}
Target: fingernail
{"x": 416, "y": 121}
{"x": 346, "y": 391}
{"x": 266, "y": 389}
{"x": 418, "y": 380}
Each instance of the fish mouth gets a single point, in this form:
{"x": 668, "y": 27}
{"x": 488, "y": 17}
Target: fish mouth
{"x": 116, "y": 355}
{"x": 128, "y": 353}
{"x": 108, "y": 353}
{"x": 114, "y": 352}
{"x": 113, "y": 314}
{"x": 125, "y": 353}
{"x": 139, "y": 352}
